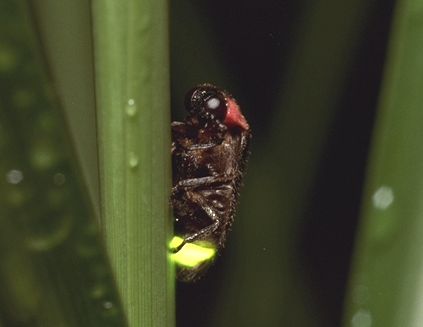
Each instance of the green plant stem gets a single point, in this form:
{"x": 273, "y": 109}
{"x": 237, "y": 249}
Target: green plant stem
{"x": 131, "y": 59}
{"x": 386, "y": 281}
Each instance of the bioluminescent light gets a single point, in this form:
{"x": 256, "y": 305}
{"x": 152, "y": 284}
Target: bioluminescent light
{"x": 191, "y": 254}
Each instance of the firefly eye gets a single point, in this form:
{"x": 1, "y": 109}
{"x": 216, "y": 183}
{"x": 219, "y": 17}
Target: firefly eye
{"x": 216, "y": 105}
{"x": 213, "y": 103}
{"x": 206, "y": 101}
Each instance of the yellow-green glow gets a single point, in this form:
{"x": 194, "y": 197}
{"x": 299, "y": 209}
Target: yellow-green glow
{"x": 191, "y": 254}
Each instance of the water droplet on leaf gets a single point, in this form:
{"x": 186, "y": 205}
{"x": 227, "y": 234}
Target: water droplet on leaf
{"x": 131, "y": 108}
{"x": 133, "y": 160}
{"x": 14, "y": 176}
{"x": 383, "y": 197}
{"x": 362, "y": 318}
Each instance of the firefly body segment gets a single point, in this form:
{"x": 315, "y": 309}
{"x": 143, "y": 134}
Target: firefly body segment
{"x": 209, "y": 154}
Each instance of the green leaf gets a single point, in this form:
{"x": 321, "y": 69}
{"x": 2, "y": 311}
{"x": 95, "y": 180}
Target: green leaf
{"x": 65, "y": 29}
{"x": 386, "y": 283}
{"x": 132, "y": 85}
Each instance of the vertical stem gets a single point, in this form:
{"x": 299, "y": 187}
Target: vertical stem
{"x": 386, "y": 285}
{"x": 131, "y": 58}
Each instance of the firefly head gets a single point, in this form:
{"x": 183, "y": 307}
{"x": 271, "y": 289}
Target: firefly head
{"x": 209, "y": 103}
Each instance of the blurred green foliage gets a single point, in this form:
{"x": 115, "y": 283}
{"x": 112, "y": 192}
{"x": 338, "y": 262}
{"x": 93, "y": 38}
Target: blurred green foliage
{"x": 54, "y": 271}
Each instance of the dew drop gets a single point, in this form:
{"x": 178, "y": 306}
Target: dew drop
{"x": 110, "y": 308}
{"x": 362, "y": 318}
{"x": 107, "y": 305}
{"x": 131, "y": 108}
{"x": 14, "y": 176}
{"x": 383, "y": 197}
{"x": 133, "y": 160}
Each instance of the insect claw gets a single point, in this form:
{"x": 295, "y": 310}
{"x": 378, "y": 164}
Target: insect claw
{"x": 174, "y": 248}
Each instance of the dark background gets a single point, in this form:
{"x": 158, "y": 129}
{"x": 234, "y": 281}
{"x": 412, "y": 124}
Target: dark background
{"x": 288, "y": 258}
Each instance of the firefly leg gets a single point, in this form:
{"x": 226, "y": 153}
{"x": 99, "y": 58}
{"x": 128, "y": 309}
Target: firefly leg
{"x": 192, "y": 183}
{"x": 198, "y": 200}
